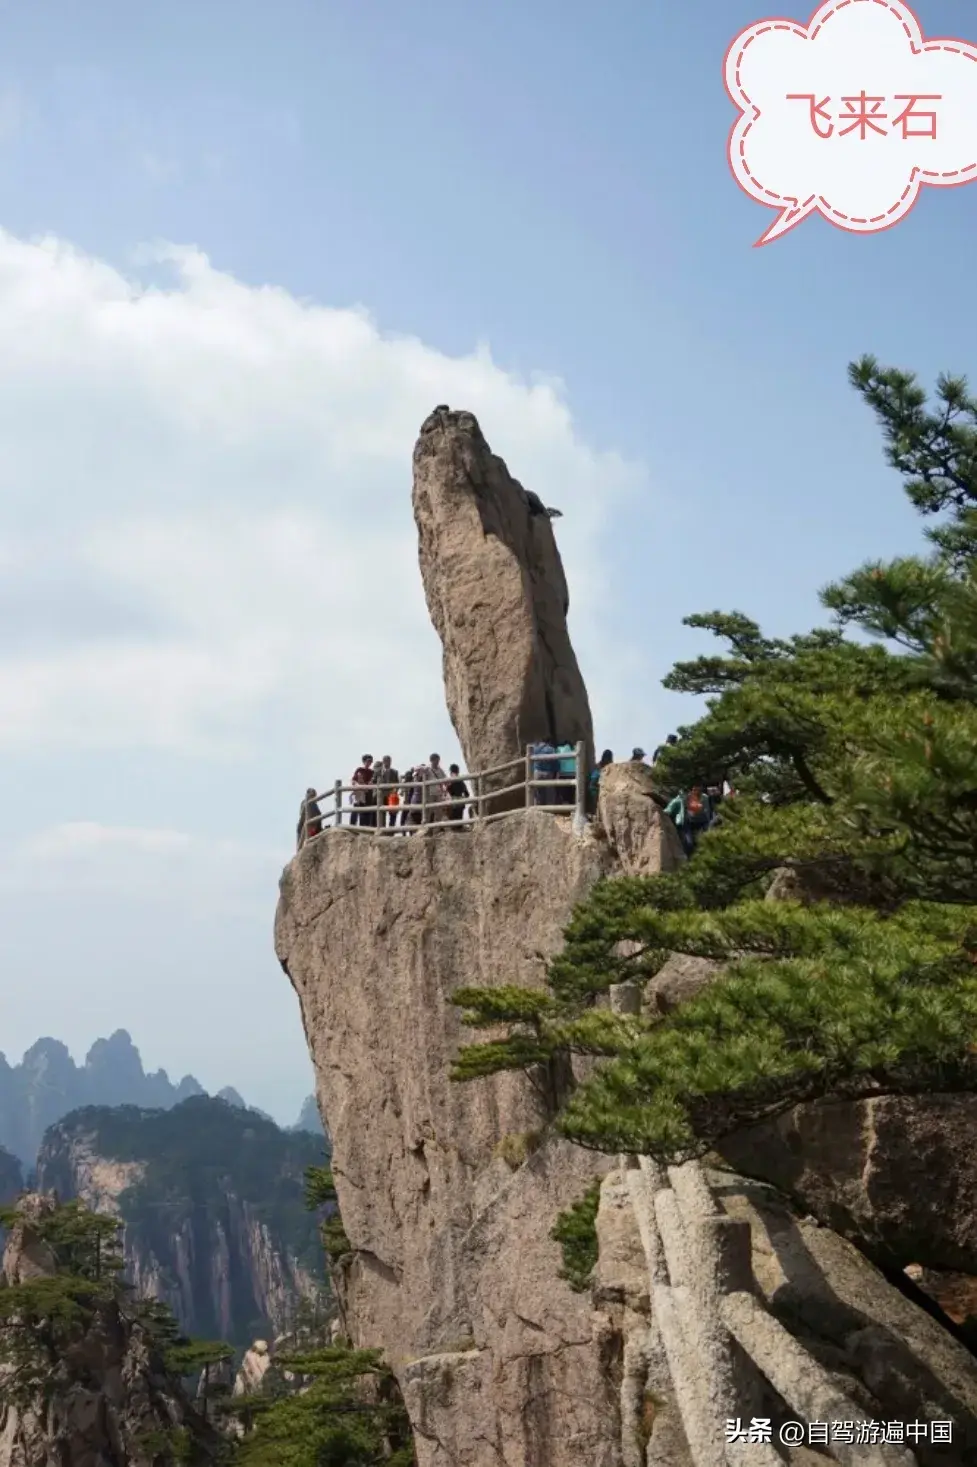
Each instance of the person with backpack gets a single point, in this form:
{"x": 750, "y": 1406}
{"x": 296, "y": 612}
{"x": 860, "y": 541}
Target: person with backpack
{"x": 458, "y": 792}
{"x": 364, "y": 797}
{"x": 692, "y": 814}
{"x": 566, "y": 794}
{"x": 310, "y": 819}
{"x": 543, "y": 766}
{"x": 593, "y": 781}
{"x": 386, "y": 778}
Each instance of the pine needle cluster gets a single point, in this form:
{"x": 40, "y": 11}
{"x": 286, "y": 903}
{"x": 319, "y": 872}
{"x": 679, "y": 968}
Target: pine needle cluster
{"x": 324, "y": 1404}
{"x": 854, "y": 758}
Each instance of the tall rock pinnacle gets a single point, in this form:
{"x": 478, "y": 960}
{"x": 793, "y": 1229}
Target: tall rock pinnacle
{"x": 710, "y": 1300}
{"x": 498, "y": 598}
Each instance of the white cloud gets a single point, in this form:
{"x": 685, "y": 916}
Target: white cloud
{"x": 207, "y": 553}
{"x": 185, "y": 873}
{"x": 218, "y": 477}
{"x": 161, "y": 931}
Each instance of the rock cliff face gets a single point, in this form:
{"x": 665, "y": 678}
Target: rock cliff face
{"x": 453, "y": 1272}
{"x": 223, "y": 1240}
{"x": 898, "y": 1174}
{"x": 106, "y": 1399}
{"x": 498, "y": 598}
{"x": 11, "y": 1176}
{"x": 448, "y": 1193}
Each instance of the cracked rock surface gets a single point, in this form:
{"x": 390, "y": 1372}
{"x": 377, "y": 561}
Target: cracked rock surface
{"x": 498, "y": 598}
{"x": 454, "y": 1273}
{"x": 448, "y": 1193}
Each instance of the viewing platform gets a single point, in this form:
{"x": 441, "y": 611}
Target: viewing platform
{"x": 403, "y": 806}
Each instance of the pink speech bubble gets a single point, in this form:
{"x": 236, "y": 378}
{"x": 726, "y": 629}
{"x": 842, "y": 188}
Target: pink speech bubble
{"x": 850, "y": 115}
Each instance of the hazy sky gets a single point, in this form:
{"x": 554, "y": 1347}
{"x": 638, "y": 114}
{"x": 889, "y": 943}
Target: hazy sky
{"x": 247, "y": 247}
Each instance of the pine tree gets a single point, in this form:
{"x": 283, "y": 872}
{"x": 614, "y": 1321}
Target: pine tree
{"x": 340, "y": 1412}
{"x": 576, "y": 1233}
{"x": 41, "y": 1317}
{"x": 44, "y": 1320}
{"x": 856, "y": 770}
{"x": 191, "y": 1357}
{"x": 320, "y": 1193}
{"x": 324, "y": 1405}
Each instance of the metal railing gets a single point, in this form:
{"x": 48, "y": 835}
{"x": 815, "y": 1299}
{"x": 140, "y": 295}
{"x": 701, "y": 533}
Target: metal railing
{"x": 415, "y": 808}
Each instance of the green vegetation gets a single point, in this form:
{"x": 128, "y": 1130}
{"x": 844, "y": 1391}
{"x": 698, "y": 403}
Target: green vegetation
{"x": 320, "y": 1193}
{"x": 39, "y": 1319}
{"x": 324, "y": 1404}
{"x": 192, "y": 1359}
{"x": 196, "y": 1157}
{"x": 343, "y": 1410}
{"x": 173, "y": 1444}
{"x": 44, "y": 1322}
{"x": 855, "y": 766}
{"x": 576, "y": 1233}
{"x": 202, "y": 1147}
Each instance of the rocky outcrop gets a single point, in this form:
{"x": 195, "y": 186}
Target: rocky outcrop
{"x": 644, "y": 840}
{"x": 452, "y": 1272}
{"x": 448, "y": 1193}
{"x": 897, "y": 1174}
{"x": 498, "y": 598}
{"x": 107, "y": 1398}
{"x": 730, "y": 1305}
{"x": 955, "y": 1293}
{"x": 220, "y": 1236}
{"x": 254, "y": 1366}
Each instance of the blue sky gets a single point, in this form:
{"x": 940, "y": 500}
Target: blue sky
{"x": 532, "y": 203}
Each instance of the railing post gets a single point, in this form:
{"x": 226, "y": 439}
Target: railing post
{"x": 580, "y": 813}
{"x": 529, "y": 775}
{"x": 476, "y": 796}
{"x": 338, "y": 788}
{"x": 424, "y": 784}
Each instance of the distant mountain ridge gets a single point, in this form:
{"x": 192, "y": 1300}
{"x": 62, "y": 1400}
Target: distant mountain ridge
{"x": 47, "y": 1084}
{"x": 211, "y": 1196}
{"x": 310, "y": 1119}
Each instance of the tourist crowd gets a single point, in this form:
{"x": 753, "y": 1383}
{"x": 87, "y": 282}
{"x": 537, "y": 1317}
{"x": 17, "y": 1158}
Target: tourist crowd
{"x": 692, "y": 812}
{"x": 382, "y": 798}
{"x": 426, "y": 794}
